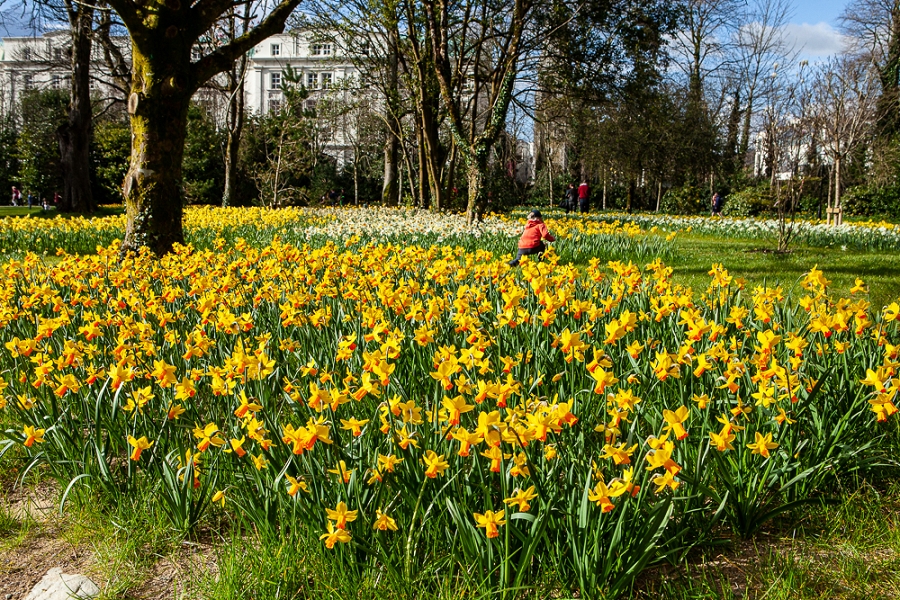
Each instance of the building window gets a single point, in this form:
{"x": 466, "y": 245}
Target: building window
{"x": 364, "y": 47}
{"x": 276, "y": 49}
{"x": 57, "y": 54}
{"x": 320, "y": 50}
{"x": 326, "y": 80}
{"x": 312, "y": 80}
{"x": 54, "y": 82}
{"x": 275, "y": 80}
{"x": 274, "y": 104}
{"x": 28, "y": 81}
{"x": 26, "y": 53}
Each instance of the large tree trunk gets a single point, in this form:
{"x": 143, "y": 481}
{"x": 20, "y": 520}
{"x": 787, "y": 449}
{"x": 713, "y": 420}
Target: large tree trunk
{"x": 476, "y": 169}
{"x": 390, "y": 190}
{"x": 74, "y": 136}
{"x": 153, "y": 188}
{"x": 233, "y": 141}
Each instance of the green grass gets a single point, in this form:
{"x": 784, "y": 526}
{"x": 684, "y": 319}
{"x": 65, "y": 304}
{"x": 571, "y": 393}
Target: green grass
{"x": 38, "y": 212}
{"x": 845, "y": 551}
{"x": 757, "y": 263}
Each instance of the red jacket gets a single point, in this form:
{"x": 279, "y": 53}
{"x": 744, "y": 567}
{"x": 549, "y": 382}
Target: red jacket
{"x": 535, "y": 231}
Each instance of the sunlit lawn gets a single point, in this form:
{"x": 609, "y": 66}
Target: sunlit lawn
{"x": 757, "y": 263}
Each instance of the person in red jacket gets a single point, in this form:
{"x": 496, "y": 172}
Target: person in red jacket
{"x": 532, "y": 240}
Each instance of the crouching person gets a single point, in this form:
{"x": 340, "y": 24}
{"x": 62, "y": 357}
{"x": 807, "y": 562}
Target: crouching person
{"x": 532, "y": 240}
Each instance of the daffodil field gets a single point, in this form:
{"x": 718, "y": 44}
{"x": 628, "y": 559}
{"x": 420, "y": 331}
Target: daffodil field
{"x": 206, "y": 226}
{"x": 394, "y": 393}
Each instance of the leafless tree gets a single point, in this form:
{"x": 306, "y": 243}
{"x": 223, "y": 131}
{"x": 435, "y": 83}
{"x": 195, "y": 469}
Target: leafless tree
{"x": 761, "y": 47}
{"x": 787, "y": 131}
{"x": 844, "y": 109}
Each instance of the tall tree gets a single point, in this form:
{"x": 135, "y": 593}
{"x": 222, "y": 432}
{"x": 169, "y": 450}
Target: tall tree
{"x": 74, "y": 136}
{"x": 761, "y": 47}
{"x": 873, "y": 27}
{"x": 483, "y": 40}
{"x": 237, "y": 23}
{"x": 164, "y": 77}
{"x": 845, "y": 104}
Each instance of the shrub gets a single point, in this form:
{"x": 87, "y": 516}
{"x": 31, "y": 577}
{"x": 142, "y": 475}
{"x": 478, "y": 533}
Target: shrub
{"x": 871, "y": 201}
{"x": 110, "y": 149}
{"x": 748, "y": 202}
{"x": 686, "y": 200}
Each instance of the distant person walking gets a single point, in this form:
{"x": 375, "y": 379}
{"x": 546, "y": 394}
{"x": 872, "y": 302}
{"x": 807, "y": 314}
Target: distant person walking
{"x": 569, "y": 201}
{"x": 30, "y": 199}
{"x": 716, "y": 205}
{"x": 584, "y": 194}
{"x": 16, "y": 196}
{"x": 56, "y": 198}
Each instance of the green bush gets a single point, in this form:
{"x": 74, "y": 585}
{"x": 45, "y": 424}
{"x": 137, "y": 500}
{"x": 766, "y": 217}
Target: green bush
{"x": 748, "y": 202}
{"x": 203, "y": 168}
{"x": 686, "y": 200}
{"x": 110, "y": 150}
{"x": 41, "y": 112}
{"x": 871, "y": 201}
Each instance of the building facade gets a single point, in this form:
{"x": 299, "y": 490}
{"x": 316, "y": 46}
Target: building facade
{"x": 28, "y": 63}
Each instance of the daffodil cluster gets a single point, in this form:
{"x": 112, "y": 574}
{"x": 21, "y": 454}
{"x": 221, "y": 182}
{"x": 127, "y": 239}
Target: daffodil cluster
{"x": 385, "y": 387}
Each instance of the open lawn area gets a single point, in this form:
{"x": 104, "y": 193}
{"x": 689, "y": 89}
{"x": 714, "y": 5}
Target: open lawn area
{"x": 371, "y": 403}
{"x": 756, "y": 262}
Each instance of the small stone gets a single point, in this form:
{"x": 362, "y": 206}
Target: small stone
{"x": 57, "y": 585}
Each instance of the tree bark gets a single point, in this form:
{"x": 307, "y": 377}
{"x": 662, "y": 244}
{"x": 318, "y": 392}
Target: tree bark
{"x": 236, "y": 77}
{"x": 163, "y": 79}
{"x": 475, "y": 175}
{"x": 158, "y": 107}
{"x": 74, "y": 136}
{"x": 390, "y": 190}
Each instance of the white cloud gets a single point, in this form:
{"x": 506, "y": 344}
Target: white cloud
{"x": 814, "y": 41}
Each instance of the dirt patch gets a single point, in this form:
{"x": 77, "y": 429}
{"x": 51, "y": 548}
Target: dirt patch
{"x": 25, "y": 564}
{"x": 176, "y": 576}
{"x": 735, "y": 566}
{"x": 36, "y": 543}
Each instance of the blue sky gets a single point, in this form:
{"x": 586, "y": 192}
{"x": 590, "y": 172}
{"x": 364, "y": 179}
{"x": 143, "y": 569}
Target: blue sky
{"x": 813, "y": 27}
{"x": 817, "y": 11}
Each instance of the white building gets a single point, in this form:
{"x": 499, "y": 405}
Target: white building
{"x": 43, "y": 63}
{"x": 318, "y": 63}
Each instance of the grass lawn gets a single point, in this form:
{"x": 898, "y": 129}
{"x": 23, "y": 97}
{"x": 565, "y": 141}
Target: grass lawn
{"x": 844, "y": 551}
{"x": 757, "y": 263}
{"x": 37, "y": 211}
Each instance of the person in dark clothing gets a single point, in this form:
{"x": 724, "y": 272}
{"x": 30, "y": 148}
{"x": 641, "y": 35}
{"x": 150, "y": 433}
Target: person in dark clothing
{"x": 570, "y": 203}
{"x": 532, "y": 240}
{"x": 717, "y": 205}
{"x": 583, "y": 197}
